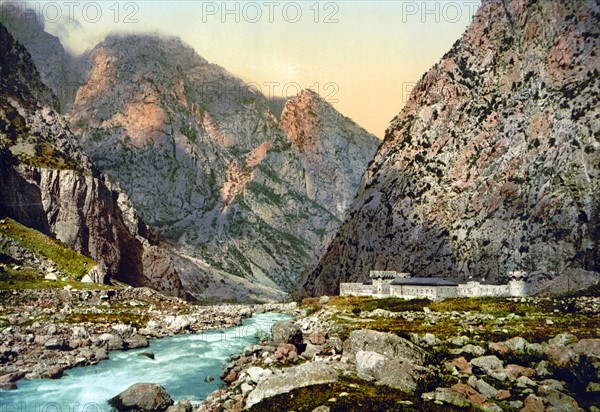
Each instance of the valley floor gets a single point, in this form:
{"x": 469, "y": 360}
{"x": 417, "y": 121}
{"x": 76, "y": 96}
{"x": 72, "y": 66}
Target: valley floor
{"x": 340, "y": 354}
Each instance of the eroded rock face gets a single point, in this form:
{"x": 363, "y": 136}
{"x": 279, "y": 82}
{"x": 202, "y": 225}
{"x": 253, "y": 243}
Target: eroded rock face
{"x": 211, "y": 168}
{"x": 49, "y": 184}
{"x": 330, "y": 147}
{"x": 493, "y": 164}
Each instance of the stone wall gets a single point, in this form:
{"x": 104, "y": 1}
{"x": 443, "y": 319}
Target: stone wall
{"x": 355, "y": 289}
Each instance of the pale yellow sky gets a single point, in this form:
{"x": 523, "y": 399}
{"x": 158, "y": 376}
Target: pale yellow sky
{"x": 362, "y": 56}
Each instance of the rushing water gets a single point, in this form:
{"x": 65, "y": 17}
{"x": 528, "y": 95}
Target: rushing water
{"x": 181, "y": 363}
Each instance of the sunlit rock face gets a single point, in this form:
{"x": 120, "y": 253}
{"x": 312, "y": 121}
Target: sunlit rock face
{"x": 212, "y": 169}
{"x": 493, "y": 164}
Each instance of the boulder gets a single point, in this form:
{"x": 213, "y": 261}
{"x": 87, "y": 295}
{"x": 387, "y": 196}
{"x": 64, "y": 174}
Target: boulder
{"x": 323, "y": 300}
{"x": 86, "y": 279}
{"x": 147, "y": 397}
{"x": 490, "y": 366}
{"x": 387, "y": 344}
{"x": 114, "y": 342}
{"x": 516, "y": 344}
{"x": 307, "y": 374}
{"x": 180, "y": 323}
{"x": 10, "y": 378}
{"x": 515, "y": 371}
{"x": 136, "y": 341}
{"x": 55, "y": 344}
{"x": 286, "y": 353}
{"x": 562, "y": 402}
{"x": 473, "y": 350}
{"x": 54, "y": 372}
{"x": 463, "y": 396}
{"x": 318, "y": 338}
{"x": 563, "y": 339}
{"x": 587, "y": 347}
{"x": 560, "y": 357}
{"x": 535, "y": 404}
{"x": 181, "y": 406}
{"x": 255, "y": 373}
{"x": 482, "y": 387}
{"x": 311, "y": 350}
{"x": 286, "y": 332}
{"x": 398, "y": 373}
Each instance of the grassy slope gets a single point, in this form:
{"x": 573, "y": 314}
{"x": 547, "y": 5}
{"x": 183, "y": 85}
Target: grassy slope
{"x": 69, "y": 263}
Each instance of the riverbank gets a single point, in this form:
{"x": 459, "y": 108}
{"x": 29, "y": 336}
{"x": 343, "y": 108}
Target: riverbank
{"x": 357, "y": 354}
{"x": 44, "y": 332}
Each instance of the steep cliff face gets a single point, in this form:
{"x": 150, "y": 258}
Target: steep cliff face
{"x": 49, "y": 184}
{"x": 493, "y": 165}
{"x": 206, "y": 162}
{"x": 331, "y": 147}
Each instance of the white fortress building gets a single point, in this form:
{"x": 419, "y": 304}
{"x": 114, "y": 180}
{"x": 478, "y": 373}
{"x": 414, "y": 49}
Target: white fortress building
{"x": 389, "y": 283}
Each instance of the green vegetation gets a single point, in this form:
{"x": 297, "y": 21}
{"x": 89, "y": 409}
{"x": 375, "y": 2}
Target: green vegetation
{"x": 47, "y": 156}
{"x": 136, "y": 319}
{"x": 483, "y": 319}
{"x": 265, "y": 193}
{"x": 67, "y": 261}
{"x": 26, "y": 278}
{"x": 357, "y": 396}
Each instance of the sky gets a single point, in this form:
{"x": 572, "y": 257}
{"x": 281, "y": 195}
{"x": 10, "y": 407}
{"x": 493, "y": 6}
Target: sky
{"x": 363, "y": 57}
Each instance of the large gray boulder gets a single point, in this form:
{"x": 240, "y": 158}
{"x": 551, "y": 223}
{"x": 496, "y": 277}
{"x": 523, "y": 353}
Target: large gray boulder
{"x": 397, "y": 373}
{"x": 387, "y": 344}
{"x": 307, "y": 374}
{"x": 490, "y": 366}
{"x": 286, "y": 331}
{"x": 147, "y": 397}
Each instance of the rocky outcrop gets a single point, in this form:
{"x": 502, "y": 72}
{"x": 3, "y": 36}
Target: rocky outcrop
{"x": 491, "y": 166}
{"x": 388, "y": 359}
{"x": 211, "y": 168}
{"x": 49, "y": 184}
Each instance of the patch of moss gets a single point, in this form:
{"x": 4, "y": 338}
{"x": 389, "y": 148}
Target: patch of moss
{"x": 536, "y": 322}
{"x": 369, "y": 304}
{"x": 137, "y": 320}
{"x": 67, "y": 261}
{"x": 359, "y": 396}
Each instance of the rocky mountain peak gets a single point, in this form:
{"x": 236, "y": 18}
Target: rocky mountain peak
{"x": 211, "y": 168}
{"x": 492, "y": 166}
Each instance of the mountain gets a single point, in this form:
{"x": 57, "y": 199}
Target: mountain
{"x": 55, "y": 66}
{"x": 48, "y": 184}
{"x": 493, "y": 164}
{"x": 245, "y": 199}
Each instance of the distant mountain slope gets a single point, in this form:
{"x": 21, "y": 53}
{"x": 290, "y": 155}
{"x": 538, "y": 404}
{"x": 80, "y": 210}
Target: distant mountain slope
{"x": 494, "y": 163}
{"x": 55, "y": 66}
{"x": 209, "y": 166}
{"x": 48, "y": 183}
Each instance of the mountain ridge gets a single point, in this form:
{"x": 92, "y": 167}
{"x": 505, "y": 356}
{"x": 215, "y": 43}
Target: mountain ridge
{"x": 209, "y": 165}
